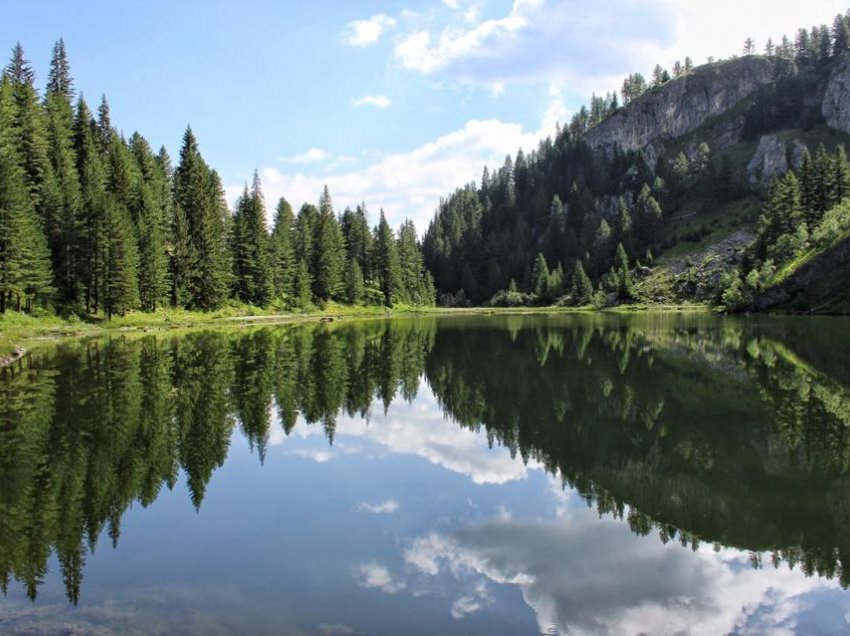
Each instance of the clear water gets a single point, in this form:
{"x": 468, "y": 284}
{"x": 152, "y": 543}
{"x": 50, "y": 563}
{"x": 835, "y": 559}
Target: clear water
{"x": 462, "y": 475}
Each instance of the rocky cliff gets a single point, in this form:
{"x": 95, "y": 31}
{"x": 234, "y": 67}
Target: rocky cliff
{"x": 836, "y": 99}
{"x": 682, "y": 105}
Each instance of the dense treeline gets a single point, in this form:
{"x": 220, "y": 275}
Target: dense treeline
{"x": 96, "y": 223}
{"x": 805, "y": 210}
{"x": 563, "y": 223}
{"x": 85, "y": 431}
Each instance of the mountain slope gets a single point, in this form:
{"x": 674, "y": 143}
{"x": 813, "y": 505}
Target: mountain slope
{"x": 676, "y": 176}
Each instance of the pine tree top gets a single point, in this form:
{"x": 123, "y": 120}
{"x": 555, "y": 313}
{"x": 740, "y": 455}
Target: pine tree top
{"x": 59, "y": 81}
{"x": 19, "y": 69}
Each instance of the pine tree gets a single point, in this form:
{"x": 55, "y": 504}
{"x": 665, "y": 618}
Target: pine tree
{"x": 468, "y": 284}
{"x": 387, "y": 269}
{"x": 358, "y": 238}
{"x": 354, "y": 288}
{"x": 92, "y": 174}
{"x": 582, "y": 288}
{"x": 330, "y": 252}
{"x": 252, "y": 265}
{"x": 808, "y": 186}
{"x": 306, "y": 224}
{"x": 283, "y": 251}
{"x": 821, "y": 168}
{"x": 540, "y": 277}
{"x": 303, "y": 285}
{"x": 150, "y": 209}
{"x": 59, "y": 81}
{"x": 410, "y": 261}
{"x": 25, "y": 274}
{"x": 198, "y": 197}
{"x": 103, "y": 128}
{"x": 61, "y": 197}
{"x": 841, "y": 174}
{"x": 624, "y": 277}
{"x": 120, "y": 261}
{"x": 657, "y": 76}
{"x": 182, "y": 260}
{"x": 647, "y": 216}
{"x": 840, "y": 35}
{"x": 27, "y": 126}
{"x": 769, "y": 48}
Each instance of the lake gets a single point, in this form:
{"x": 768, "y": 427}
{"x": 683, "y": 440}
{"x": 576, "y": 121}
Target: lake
{"x": 502, "y": 474}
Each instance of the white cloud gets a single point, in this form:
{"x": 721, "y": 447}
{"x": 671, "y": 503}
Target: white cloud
{"x": 375, "y": 575}
{"x": 704, "y": 28}
{"x": 387, "y": 507}
{"x": 311, "y": 156}
{"x": 410, "y": 184}
{"x": 585, "y": 575}
{"x": 367, "y": 32}
{"x": 464, "y": 606}
{"x": 378, "y": 101}
{"x": 591, "y": 46}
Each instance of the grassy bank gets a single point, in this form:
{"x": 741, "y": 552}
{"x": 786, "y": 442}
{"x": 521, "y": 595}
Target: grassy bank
{"x": 20, "y": 329}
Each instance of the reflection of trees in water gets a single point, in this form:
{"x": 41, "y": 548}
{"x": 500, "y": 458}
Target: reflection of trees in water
{"x": 86, "y": 430}
{"x": 703, "y": 435}
{"x": 714, "y": 435}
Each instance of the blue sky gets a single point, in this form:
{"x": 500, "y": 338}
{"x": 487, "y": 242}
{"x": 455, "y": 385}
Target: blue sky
{"x": 394, "y": 103}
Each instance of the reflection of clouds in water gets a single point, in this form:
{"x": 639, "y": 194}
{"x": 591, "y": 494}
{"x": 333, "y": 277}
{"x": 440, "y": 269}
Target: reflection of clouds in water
{"x": 375, "y": 575}
{"x": 387, "y": 507}
{"x": 582, "y": 574}
{"x": 412, "y": 429}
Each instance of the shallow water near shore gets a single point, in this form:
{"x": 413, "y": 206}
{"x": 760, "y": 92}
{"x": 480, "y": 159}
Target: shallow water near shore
{"x": 506, "y": 474}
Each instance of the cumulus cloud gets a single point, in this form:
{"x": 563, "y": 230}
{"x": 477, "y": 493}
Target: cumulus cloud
{"x": 378, "y": 101}
{"x": 367, "y": 32}
{"x": 410, "y": 184}
{"x": 387, "y": 507}
{"x": 520, "y": 46}
{"x": 591, "y": 46}
{"x": 586, "y": 575}
{"x": 375, "y": 575}
{"x": 311, "y": 156}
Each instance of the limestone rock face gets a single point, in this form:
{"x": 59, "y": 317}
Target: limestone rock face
{"x": 769, "y": 161}
{"x": 836, "y": 100}
{"x": 797, "y": 150}
{"x": 682, "y": 105}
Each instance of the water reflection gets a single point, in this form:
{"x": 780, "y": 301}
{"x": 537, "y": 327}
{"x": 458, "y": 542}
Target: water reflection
{"x": 729, "y": 438}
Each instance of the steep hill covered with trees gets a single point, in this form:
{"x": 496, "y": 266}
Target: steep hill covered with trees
{"x": 653, "y": 200}
{"x": 93, "y": 223}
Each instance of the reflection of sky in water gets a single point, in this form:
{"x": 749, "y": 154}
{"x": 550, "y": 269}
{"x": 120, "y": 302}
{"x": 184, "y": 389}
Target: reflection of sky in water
{"x": 410, "y": 524}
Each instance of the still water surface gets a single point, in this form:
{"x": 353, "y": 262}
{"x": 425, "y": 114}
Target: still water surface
{"x": 462, "y": 475}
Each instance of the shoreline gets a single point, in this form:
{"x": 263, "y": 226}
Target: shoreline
{"x": 16, "y": 329}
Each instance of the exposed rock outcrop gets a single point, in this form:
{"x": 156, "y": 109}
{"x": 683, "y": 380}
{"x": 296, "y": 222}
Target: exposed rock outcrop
{"x": 769, "y": 161}
{"x": 681, "y": 105}
{"x": 836, "y": 100}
